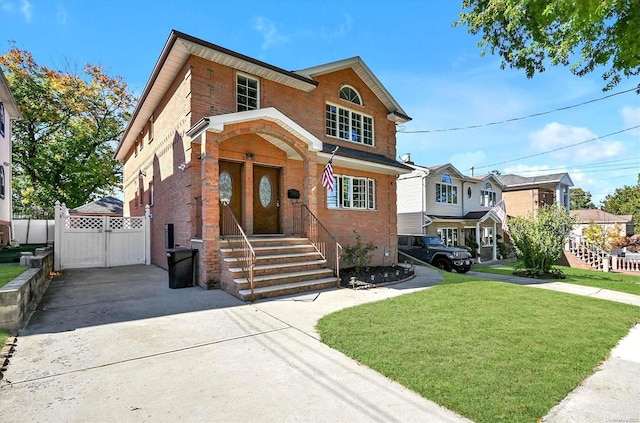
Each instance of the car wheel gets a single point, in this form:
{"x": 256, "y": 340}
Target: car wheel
{"x": 443, "y": 264}
{"x": 463, "y": 269}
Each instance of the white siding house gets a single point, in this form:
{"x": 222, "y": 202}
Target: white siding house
{"x": 440, "y": 200}
{"x": 8, "y": 112}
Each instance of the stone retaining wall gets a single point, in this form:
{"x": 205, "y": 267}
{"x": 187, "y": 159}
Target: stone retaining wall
{"x": 22, "y": 294}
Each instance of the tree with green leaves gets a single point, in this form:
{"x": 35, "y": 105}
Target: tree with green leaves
{"x": 63, "y": 148}
{"x": 625, "y": 200}
{"x": 539, "y": 241}
{"x": 584, "y": 35}
{"x": 580, "y": 199}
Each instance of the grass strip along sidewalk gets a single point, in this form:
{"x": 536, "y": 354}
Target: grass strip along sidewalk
{"x": 487, "y": 350}
{"x": 613, "y": 281}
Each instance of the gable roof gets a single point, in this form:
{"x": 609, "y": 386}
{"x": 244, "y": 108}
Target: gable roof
{"x": 6, "y": 97}
{"x": 180, "y": 46}
{"x": 600, "y": 216}
{"x": 514, "y": 182}
{"x": 396, "y": 113}
{"x": 437, "y": 169}
{"x": 106, "y": 205}
{"x": 486, "y": 177}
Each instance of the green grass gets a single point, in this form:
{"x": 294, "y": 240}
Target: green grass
{"x": 7, "y": 273}
{"x": 3, "y": 338}
{"x": 614, "y": 281}
{"x": 490, "y": 351}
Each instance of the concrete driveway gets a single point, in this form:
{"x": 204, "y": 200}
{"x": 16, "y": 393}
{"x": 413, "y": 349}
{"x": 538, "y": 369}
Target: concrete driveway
{"x": 119, "y": 345}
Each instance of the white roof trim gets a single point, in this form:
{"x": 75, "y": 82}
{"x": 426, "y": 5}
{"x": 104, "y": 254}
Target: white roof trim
{"x": 217, "y": 124}
{"x": 6, "y": 96}
{"x": 363, "y": 71}
{"x": 359, "y": 164}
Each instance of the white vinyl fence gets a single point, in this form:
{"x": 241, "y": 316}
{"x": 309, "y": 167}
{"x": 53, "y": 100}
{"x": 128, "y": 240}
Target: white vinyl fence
{"x": 100, "y": 241}
{"x": 32, "y": 231}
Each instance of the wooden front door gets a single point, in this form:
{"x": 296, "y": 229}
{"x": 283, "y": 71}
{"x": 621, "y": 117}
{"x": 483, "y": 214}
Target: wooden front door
{"x": 266, "y": 200}
{"x": 230, "y": 184}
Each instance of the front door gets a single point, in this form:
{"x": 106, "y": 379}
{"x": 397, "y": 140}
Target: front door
{"x": 230, "y": 184}
{"x": 266, "y": 200}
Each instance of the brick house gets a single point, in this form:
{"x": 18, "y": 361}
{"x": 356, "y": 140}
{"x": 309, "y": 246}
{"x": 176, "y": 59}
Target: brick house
{"x": 524, "y": 195}
{"x": 462, "y": 210}
{"x": 217, "y": 133}
{"x": 8, "y": 111}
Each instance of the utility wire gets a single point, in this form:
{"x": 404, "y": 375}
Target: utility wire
{"x": 637, "y": 89}
{"x": 560, "y": 148}
{"x": 620, "y": 162}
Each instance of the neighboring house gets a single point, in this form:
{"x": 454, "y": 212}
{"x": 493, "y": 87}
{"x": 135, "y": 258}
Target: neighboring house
{"x": 215, "y": 128}
{"x": 8, "y": 111}
{"x": 623, "y": 225}
{"x": 439, "y": 200}
{"x": 107, "y": 206}
{"x": 523, "y": 195}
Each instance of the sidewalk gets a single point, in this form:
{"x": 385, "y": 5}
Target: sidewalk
{"x": 588, "y": 291}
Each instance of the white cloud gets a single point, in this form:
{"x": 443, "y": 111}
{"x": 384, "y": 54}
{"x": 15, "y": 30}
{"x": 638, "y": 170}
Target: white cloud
{"x": 464, "y": 161}
{"x": 6, "y": 6}
{"x": 62, "y": 15}
{"x": 340, "y": 31}
{"x": 631, "y": 118}
{"x": 525, "y": 170}
{"x": 573, "y": 144}
{"x": 25, "y": 9}
{"x": 270, "y": 34}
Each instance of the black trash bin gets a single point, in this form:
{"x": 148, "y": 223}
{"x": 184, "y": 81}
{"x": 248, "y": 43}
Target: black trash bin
{"x": 181, "y": 263}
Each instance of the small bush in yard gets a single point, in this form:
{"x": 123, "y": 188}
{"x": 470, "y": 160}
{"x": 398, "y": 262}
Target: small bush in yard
{"x": 358, "y": 255}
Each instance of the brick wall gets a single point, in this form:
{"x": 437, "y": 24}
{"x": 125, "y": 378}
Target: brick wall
{"x": 202, "y": 89}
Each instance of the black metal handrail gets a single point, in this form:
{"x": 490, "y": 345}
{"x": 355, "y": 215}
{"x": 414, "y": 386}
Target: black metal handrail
{"x": 310, "y": 226}
{"x": 232, "y": 232}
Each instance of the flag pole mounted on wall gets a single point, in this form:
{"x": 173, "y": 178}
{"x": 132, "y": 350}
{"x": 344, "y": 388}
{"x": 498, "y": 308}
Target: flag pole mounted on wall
{"x": 327, "y": 173}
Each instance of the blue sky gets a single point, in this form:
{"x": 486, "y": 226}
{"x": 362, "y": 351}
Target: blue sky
{"x": 435, "y": 71}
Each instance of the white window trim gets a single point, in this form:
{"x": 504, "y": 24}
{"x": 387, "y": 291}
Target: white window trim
{"x": 356, "y": 91}
{"x": 369, "y": 193}
{"x": 444, "y": 239}
{"x": 439, "y": 197}
{"x": 257, "y": 89}
{"x": 363, "y": 115}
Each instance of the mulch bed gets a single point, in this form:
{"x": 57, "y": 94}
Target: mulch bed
{"x": 373, "y": 276}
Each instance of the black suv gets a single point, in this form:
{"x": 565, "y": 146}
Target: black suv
{"x": 431, "y": 249}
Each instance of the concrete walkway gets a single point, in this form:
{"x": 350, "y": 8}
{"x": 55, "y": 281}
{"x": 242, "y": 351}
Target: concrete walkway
{"x": 119, "y": 345}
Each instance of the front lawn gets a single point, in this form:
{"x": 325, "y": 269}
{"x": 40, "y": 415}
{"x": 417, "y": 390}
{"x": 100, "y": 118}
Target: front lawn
{"x": 614, "y": 281}
{"x": 8, "y": 273}
{"x": 490, "y": 351}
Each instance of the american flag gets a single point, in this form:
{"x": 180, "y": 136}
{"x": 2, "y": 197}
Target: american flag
{"x": 327, "y": 175}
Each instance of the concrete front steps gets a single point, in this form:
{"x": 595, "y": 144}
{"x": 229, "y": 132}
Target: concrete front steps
{"x": 284, "y": 266}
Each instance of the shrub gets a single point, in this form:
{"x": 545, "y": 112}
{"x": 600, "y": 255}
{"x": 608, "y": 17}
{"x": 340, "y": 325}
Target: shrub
{"x": 358, "y": 255}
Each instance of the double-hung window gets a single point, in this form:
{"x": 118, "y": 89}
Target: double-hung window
{"x": 352, "y": 193}
{"x": 246, "y": 93}
{"x": 446, "y": 192}
{"x": 348, "y": 125}
{"x": 488, "y": 196}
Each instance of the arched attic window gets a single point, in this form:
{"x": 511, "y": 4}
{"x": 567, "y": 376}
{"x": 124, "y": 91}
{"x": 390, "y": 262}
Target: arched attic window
{"x": 350, "y": 94}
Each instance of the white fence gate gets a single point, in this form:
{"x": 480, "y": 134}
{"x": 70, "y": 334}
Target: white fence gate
{"x": 100, "y": 241}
